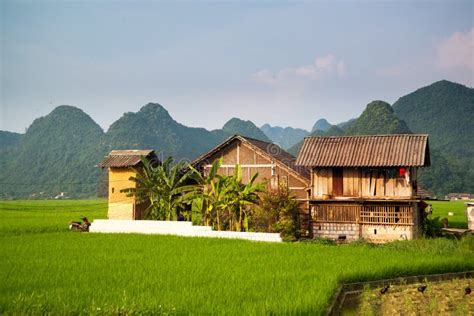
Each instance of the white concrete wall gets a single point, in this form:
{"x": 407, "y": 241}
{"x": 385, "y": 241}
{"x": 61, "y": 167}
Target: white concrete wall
{"x": 385, "y": 233}
{"x": 174, "y": 228}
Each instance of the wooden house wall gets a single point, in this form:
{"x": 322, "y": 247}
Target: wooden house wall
{"x": 362, "y": 182}
{"x": 252, "y": 162}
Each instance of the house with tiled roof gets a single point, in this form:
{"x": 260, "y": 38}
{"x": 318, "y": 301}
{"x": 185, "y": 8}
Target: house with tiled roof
{"x": 273, "y": 165}
{"x": 121, "y": 166}
{"x": 365, "y": 187}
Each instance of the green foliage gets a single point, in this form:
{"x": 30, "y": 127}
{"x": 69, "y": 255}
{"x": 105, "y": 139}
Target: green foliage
{"x": 431, "y": 227}
{"x": 277, "y": 212}
{"x": 8, "y": 140}
{"x": 445, "y": 174}
{"x": 445, "y": 111}
{"x": 163, "y": 186}
{"x": 284, "y": 137}
{"x": 244, "y": 128}
{"x": 321, "y": 125}
{"x": 378, "y": 118}
{"x": 225, "y": 200}
{"x": 45, "y": 269}
{"x": 153, "y": 128}
{"x": 345, "y": 125}
{"x": 57, "y": 154}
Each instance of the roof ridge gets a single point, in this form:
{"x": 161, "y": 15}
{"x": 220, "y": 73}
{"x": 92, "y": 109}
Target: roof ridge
{"x": 360, "y": 136}
{"x": 259, "y": 140}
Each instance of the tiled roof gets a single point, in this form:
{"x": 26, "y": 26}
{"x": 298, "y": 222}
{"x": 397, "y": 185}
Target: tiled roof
{"x": 125, "y": 158}
{"x": 365, "y": 151}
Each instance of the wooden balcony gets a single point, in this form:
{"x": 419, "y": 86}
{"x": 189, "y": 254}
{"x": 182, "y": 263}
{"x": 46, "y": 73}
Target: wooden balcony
{"x": 392, "y": 214}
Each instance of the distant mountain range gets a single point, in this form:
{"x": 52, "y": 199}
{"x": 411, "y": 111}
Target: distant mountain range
{"x": 285, "y": 137}
{"x": 377, "y": 118}
{"x": 58, "y": 152}
{"x": 321, "y": 125}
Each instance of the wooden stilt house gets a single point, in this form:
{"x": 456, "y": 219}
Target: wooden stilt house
{"x": 121, "y": 165}
{"x": 365, "y": 186}
{"x": 274, "y": 166}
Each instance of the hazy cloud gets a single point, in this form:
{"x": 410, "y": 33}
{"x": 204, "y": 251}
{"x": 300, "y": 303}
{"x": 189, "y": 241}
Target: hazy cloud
{"x": 457, "y": 51}
{"x": 322, "y": 66}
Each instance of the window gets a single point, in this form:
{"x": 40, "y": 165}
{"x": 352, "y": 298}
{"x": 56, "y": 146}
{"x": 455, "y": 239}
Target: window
{"x": 337, "y": 187}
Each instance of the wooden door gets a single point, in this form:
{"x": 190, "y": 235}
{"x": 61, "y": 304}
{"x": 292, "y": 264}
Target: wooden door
{"x": 337, "y": 185}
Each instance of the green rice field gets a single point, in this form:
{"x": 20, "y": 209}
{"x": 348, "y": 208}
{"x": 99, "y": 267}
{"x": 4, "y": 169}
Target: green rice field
{"x": 45, "y": 269}
{"x": 442, "y": 209}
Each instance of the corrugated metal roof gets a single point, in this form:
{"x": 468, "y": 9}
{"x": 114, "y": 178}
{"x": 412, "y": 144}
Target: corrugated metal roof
{"x": 398, "y": 150}
{"x": 125, "y": 158}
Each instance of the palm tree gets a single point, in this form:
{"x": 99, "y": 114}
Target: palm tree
{"x": 219, "y": 194}
{"x": 164, "y": 186}
{"x": 244, "y": 195}
{"x": 209, "y": 194}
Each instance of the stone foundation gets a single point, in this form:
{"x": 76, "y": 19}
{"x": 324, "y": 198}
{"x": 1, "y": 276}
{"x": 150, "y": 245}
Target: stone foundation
{"x": 336, "y": 231}
{"x": 372, "y": 233}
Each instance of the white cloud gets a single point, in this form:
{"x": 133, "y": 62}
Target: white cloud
{"x": 321, "y": 67}
{"x": 457, "y": 51}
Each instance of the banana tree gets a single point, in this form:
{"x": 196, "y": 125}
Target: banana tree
{"x": 219, "y": 194}
{"x": 244, "y": 195}
{"x": 204, "y": 195}
{"x": 163, "y": 186}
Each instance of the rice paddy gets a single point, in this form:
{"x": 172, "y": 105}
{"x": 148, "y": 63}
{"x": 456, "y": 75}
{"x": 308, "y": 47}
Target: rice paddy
{"x": 46, "y": 269}
{"x": 454, "y": 211}
{"x": 427, "y": 298}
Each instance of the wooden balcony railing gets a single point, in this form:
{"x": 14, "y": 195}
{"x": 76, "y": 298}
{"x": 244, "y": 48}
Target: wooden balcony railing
{"x": 336, "y": 213}
{"x": 364, "y": 214}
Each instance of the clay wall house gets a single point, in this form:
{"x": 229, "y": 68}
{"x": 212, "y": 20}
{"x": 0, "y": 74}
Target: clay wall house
{"x": 274, "y": 166}
{"x": 121, "y": 165}
{"x": 365, "y": 186}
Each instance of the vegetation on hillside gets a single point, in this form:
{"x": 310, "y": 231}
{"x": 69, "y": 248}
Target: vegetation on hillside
{"x": 445, "y": 111}
{"x": 377, "y": 118}
{"x": 284, "y": 137}
{"x": 153, "y": 128}
{"x": 244, "y": 128}
{"x": 321, "y": 125}
{"x": 57, "y": 154}
{"x": 8, "y": 140}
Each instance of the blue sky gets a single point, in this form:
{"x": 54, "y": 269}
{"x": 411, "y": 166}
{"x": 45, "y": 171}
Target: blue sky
{"x": 283, "y": 63}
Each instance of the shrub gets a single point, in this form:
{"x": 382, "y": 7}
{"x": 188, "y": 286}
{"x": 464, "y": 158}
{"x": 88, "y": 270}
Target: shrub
{"x": 277, "y": 212}
{"x": 431, "y": 227}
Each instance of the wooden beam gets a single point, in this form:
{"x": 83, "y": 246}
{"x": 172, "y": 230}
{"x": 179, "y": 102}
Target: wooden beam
{"x": 245, "y": 166}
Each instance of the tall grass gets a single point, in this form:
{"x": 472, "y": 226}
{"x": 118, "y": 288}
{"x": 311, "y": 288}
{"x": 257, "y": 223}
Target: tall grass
{"x": 55, "y": 271}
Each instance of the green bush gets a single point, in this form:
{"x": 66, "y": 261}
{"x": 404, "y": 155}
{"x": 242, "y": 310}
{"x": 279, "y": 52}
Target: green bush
{"x": 431, "y": 227}
{"x": 277, "y": 212}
